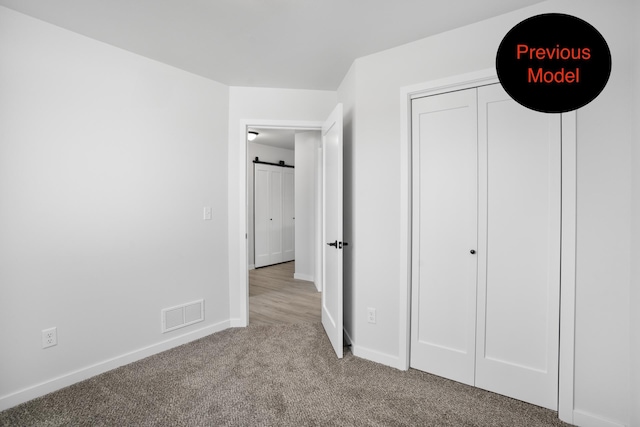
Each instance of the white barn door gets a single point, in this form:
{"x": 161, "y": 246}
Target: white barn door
{"x": 268, "y": 208}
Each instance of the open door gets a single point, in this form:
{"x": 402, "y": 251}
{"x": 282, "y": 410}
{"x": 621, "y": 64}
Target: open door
{"x": 332, "y": 229}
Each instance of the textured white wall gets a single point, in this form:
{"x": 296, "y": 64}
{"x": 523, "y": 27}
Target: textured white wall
{"x": 604, "y": 188}
{"x": 259, "y": 105}
{"x": 306, "y": 150}
{"x": 106, "y": 162}
{"x": 266, "y": 154}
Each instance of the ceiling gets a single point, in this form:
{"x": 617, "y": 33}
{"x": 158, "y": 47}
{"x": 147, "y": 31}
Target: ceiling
{"x": 299, "y": 44}
{"x": 279, "y": 138}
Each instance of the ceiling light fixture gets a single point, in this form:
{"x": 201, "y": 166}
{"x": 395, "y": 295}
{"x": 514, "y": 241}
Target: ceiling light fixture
{"x": 251, "y": 135}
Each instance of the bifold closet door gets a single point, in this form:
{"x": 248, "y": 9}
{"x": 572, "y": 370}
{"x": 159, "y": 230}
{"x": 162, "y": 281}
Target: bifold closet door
{"x": 444, "y": 229}
{"x": 486, "y": 243}
{"x": 519, "y": 249}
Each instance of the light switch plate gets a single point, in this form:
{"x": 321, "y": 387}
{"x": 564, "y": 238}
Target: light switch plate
{"x": 208, "y": 213}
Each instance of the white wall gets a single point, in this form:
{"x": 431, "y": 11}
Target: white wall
{"x": 106, "y": 162}
{"x": 258, "y": 105}
{"x": 306, "y": 150}
{"x": 602, "y": 360}
{"x": 266, "y": 154}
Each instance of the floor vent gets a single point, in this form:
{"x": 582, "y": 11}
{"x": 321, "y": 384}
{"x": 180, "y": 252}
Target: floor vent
{"x": 182, "y": 315}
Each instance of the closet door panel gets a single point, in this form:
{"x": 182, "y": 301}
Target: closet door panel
{"x": 261, "y": 216}
{"x": 444, "y": 270}
{"x": 519, "y": 249}
{"x": 275, "y": 215}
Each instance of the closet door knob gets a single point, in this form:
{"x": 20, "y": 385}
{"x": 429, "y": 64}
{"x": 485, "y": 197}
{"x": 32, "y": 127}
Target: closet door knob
{"x": 472, "y": 251}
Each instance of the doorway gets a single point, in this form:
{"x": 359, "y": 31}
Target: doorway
{"x": 276, "y": 297}
{"x": 284, "y": 288}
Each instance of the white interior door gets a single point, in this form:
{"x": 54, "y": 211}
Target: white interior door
{"x": 332, "y": 229}
{"x": 519, "y": 249}
{"x": 443, "y": 311}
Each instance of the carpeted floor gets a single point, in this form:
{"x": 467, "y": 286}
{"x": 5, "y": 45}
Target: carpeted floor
{"x": 280, "y": 375}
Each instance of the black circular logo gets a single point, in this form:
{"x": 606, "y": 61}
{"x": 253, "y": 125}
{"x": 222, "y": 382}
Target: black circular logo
{"x": 553, "y": 63}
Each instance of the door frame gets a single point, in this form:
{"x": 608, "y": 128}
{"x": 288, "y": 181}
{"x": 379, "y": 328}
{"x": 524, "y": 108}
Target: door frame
{"x": 245, "y": 124}
{"x": 567, "y": 238}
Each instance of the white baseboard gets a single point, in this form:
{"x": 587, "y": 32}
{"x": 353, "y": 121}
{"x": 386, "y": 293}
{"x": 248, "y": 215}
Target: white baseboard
{"x": 376, "y": 356}
{"x": 252, "y": 266}
{"x": 347, "y": 337}
{"x": 585, "y": 419}
{"x": 82, "y": 374}
{"x": 304, "y": 277}
{"x": 238, "y": 323}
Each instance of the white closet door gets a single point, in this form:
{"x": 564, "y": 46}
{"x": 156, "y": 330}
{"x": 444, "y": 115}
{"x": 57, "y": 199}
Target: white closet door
{"x": 275, "y": 215}
{"x": 443, "y": 314}
{"x": 288, "y": 215}
{"x": 261, "y": 215}
{"x": 268, "y": 209}
{"x": 519, "y": 249}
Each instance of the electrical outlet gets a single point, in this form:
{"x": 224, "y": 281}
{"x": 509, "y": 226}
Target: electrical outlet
{"x": 49, "y": 337}
{"x": 371, "y": 315}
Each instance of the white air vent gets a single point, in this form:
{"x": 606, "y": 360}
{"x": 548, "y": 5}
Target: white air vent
{"x": 182, "y": 315}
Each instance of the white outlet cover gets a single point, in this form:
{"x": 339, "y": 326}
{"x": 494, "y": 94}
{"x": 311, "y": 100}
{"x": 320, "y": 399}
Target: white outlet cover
{"x": 49, "y": 337}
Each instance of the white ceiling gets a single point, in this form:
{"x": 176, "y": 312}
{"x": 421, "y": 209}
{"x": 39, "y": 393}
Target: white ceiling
{"x": 300, "y": 44}
{"x": 279, "y": 138}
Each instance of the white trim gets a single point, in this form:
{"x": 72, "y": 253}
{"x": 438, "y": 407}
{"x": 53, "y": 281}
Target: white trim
{"x": 585, "y": 419}
{"x": 566, "y": 385}
{"x": 305, "y": 277}
{"x": 252, "y": 267}
{"x": 449, "y": 84}
{"x": 347, "y": 337}
{"x": 376, "y": 356}
{"x": 238, "y": 323}
{"x": 82, "y": 374}
{"x": 243, "y": 254}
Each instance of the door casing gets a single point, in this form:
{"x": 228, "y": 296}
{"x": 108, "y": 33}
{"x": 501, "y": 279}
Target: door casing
{"x": 568, "y": 229}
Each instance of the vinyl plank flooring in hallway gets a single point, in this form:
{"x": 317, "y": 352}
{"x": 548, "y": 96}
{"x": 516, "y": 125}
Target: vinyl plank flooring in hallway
{"x": 275, "y": 297}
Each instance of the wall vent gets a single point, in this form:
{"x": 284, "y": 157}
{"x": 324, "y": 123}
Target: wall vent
{"x": 182, "y": 315}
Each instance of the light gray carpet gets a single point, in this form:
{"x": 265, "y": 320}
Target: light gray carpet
{"x": 283, "y": 375}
